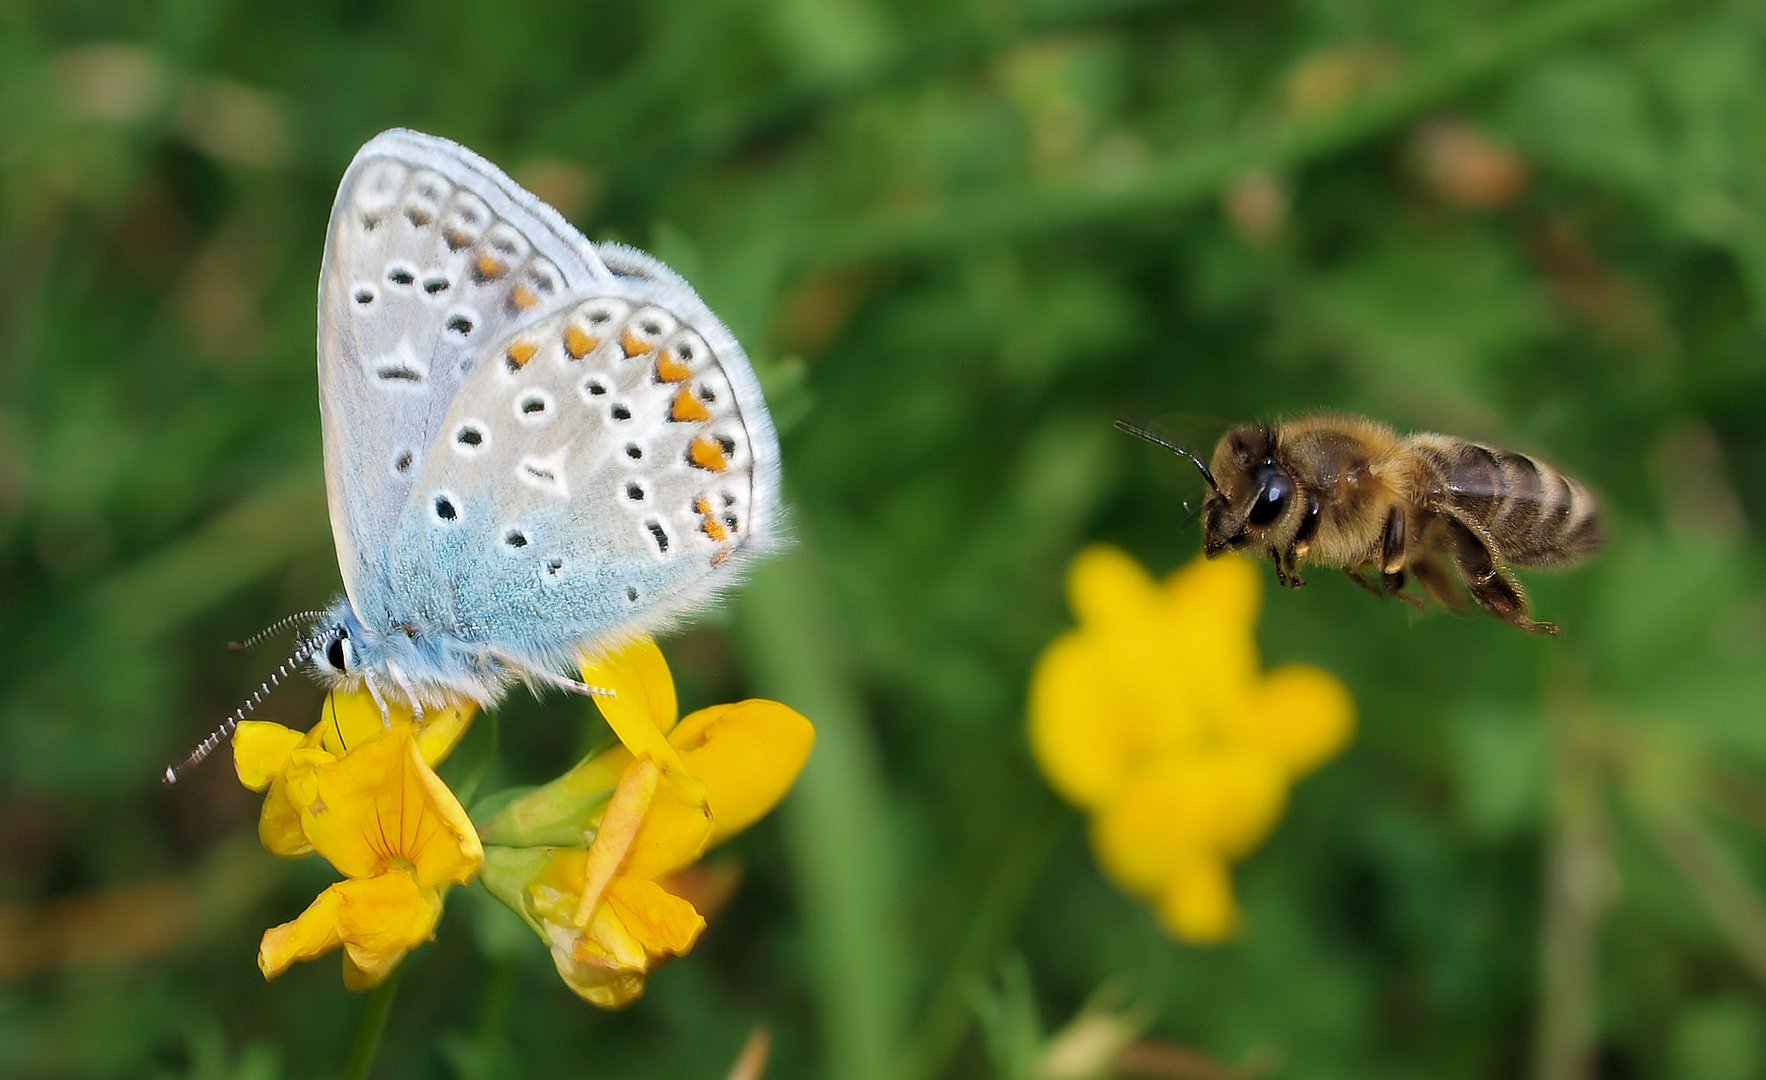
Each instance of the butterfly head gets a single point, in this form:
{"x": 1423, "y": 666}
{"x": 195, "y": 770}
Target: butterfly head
{"x": 343, "y": 639}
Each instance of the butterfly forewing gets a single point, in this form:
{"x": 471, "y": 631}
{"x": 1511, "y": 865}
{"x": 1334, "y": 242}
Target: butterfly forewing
{"x": 432, "y": 253}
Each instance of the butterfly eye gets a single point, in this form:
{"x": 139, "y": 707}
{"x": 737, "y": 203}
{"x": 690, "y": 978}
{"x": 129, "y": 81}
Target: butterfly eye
{"x": 1273, "y": 497}
{"x": 341, "y": 654}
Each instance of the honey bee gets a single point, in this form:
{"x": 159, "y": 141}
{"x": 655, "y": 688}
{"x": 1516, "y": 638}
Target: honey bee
{"x": 1353, "y": 494}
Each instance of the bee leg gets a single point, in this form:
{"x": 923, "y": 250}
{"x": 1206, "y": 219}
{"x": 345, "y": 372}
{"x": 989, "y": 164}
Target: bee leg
{"x": 1492, "y": 587}
{"x": 1392, "y": 554}
{"x": 1439, "y": 582}
{"x": 1356, "y": 576}
{"x": 1302, "y": 545}
{"x": 1287, "y": 572}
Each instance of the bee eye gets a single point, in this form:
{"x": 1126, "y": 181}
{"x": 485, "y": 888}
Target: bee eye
{"x": 1272, "y": 499}
{"x": 341, "y": 654}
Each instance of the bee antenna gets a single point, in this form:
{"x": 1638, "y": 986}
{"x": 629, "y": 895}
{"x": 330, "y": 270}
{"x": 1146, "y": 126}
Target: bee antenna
{"x": 274, "y": 628}
{"x": 1143, "y": 433}
{"x": 215, "y": 738}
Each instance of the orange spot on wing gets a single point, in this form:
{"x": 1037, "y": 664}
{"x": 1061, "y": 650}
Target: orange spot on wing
{"x": 579, "y": 342}
{"x": 669, "y": 369}
{"x": 707, "y": 454}
{"x": 687, "y": 408}
{"x": 632, "y": 345}
{"x": 521, "y": 352}
{"x": 522, "y": 297}
{"x": 709, "y": 522}
{"x": 488, "y": 266}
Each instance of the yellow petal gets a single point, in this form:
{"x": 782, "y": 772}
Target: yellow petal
{"x": 619, "y": 828}
{"x": 279, "y": 823}
{"x": 555, "y": 892}
{"x": 1083, "y": 743}
{"x": 591, "y": 974}
{"x": 656, "y": 823}
{"x": 675, "y": 830}
{"x": 1210, "y": 618}
{"x": 1197, "y": 903}
{"x": 747, "y": 755}
{"x": 377, "y": 920}
{"x": 381, "y": 805}
{"x": 381, "y": 919}
{"x": 1301, "y": 716}
{"x": 260, "y": 751}
{"x": 642, "y": 709}
{"x": 1105, "y": 584}
{"x": 1101, "y": 707}
{"x": 442, "y": 729}
{"x": 314, "y": 933}
{"x": 662, "y": 922}
{"x": 351, "y": 718}
{"x": 638, "y": 925}
{"x": 1218, "y": 804}
{"x": 1223, "y": 592}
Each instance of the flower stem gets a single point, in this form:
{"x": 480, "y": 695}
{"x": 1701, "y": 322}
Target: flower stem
{"x": 371, "y": 1027}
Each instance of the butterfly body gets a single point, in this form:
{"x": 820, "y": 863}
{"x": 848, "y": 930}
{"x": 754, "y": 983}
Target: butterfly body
{"x": 535, "y": 446}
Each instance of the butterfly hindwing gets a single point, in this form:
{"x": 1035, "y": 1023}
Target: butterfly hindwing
{"x": 602, "y": 469}
{"x": 432, "y": 252}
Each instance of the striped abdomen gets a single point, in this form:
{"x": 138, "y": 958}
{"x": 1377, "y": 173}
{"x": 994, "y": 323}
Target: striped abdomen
{"x": 1533, "y": 514}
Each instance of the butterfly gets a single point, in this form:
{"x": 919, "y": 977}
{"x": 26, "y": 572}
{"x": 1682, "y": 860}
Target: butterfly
{"x": 535, "y": 446}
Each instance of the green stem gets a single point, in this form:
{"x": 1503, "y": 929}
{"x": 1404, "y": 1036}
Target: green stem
{"x": 836, "y": 822}
{"x": 1472, "y": 57}
{"x": 371, "y": 1027}
{"x": 1577, "y": 864}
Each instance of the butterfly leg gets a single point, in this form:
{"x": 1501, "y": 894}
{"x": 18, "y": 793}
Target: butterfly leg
{"x": 575, "y": 686}
{"x": 410, "y": 693}
{"x": 374, "y": 692}
{"x": 552, "y": 678}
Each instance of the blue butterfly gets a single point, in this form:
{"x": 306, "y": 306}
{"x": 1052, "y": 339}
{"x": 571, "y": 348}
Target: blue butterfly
{"x": 535, "y": 446}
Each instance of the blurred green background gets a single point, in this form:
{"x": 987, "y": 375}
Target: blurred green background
{"x": 957, "y": 239}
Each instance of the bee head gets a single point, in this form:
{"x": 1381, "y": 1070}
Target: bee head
{"x": 1254, "y": 492}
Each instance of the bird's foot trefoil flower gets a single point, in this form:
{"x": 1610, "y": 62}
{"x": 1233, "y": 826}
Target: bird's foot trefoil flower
{"x": 382, "y": 817}
{"x": 1155, "y": 716}
{"x": 589, "y": 859}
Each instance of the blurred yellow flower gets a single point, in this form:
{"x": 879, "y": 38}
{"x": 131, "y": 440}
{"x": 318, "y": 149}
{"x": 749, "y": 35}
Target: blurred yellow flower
{"x": 1155, "y": 716}
{"x": 381, "y": 816}
{"x": 647, "y": 810}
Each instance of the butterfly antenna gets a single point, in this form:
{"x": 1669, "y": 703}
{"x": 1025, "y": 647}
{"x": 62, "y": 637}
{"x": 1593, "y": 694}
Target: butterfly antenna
{"x": 1143, "y": 433}
{"x": 220, "y": 735}
{"x": 274, "y": 628}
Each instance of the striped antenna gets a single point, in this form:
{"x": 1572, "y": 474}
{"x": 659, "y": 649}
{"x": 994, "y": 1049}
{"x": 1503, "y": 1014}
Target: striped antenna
{"x": 274, "y": 628}
{"x": 215, "y": 738}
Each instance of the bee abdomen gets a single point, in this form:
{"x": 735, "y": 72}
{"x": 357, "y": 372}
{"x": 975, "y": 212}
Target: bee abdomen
{"x": 1534, "y": 514}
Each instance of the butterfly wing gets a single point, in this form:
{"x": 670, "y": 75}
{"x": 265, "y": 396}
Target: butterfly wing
{"x": 605, "y": 468}
{"x": 432, "y": 253}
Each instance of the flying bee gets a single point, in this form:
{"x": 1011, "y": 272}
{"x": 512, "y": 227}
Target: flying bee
{"x": 1353, "y": 494}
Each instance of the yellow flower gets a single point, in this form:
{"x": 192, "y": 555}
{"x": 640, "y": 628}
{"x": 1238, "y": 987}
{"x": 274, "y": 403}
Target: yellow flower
{"x": 381, "y": 816}
{"x": 1155, "y": 716}
{"x": 646, "y": 809}
{"x": 264, "y": 752}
